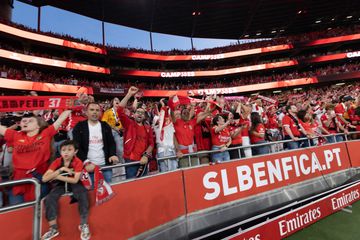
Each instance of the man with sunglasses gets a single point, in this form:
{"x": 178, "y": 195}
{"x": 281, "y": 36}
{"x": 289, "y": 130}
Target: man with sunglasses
{"x": 138, "y": 137}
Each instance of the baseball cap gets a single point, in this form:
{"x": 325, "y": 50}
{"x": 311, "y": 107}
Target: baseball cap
{"x": 348, "y": 98}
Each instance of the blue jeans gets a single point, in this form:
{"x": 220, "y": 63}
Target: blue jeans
{"x": 170, "y": 164}
{"x": 106, "y": 173}
{"x": 260, "y": 150}
{"x": 291, "y": 145}
{"x": 219, "y": 156}
{"x": 131, "y": 171}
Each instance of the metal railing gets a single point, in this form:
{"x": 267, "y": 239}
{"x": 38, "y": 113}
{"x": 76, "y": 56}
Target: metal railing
{"x": 35, "y": 203}
{"x": 239, "y": 148}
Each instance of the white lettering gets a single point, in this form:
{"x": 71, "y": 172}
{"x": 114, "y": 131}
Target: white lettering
{"x": 259, "y": 173}
{"x": 274, "y": 171}
{"x": 286, "y": 167}
{"x": 211, "y": 185}
{"x": 353, "y": 54}
{"x": 304, "y": 170}
{"x": 244, "y": 177}
{"x": 227, "y": 189}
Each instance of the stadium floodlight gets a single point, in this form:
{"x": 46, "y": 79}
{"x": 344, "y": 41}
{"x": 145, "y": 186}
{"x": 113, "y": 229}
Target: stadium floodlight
{"x": 282, "y": 30}
{"x": 258, "y": 34}
{"x": 247, "y": 35}
{"x": 273, "y": 31}
{"x": 340, "y": 84}
{"x": 333, "y": 19}
{"x": 348, "y": 17}
{"x": 277, "y": 91}
{"x": 318, "y": 21}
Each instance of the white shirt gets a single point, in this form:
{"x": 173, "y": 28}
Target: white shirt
{"x": 96, "y": 153}
{"x": 168, "y": 140}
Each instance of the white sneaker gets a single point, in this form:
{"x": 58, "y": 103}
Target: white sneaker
{"x": 85, "y": 231}
{"x": 50, "y": 234}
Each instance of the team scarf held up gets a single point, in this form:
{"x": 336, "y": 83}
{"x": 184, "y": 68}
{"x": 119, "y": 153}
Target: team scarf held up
{"x": 103, "y": 190}
{"x": 29, "y": 103}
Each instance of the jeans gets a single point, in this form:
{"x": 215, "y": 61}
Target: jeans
{"x": 106, "y": 173}
{"x": 291, "y": 145}
{"x": 219, "y": 156}
{"x": 170, "y": 164}
{"x": 131, "y": 171}
{"x": 261, "y": 149}
{"x": 235, "y": 154}
{"x": 334, "y": 139}
{"x": 79, "y": 193}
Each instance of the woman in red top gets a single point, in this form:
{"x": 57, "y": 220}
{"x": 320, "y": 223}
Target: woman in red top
{"x": 31, "y": 151}
{"x": 257, "y": 134}
{"x": 221, "y": 139}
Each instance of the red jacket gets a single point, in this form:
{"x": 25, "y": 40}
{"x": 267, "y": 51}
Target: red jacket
{"x": 130, "y": 133}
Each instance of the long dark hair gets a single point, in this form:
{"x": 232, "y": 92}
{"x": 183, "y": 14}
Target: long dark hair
{"x": 301, "y": 115}
{"x": 255, "y": 120}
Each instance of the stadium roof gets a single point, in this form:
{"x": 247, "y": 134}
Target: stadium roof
{"x": 227, "y": 19}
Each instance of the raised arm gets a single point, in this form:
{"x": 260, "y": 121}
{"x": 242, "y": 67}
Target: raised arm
{"x": 131, "y": 92}
{"x": 64, "y": 115}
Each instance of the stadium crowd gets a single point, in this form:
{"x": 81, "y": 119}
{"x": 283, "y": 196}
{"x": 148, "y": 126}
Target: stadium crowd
{"x": 29, "y": 74}
{"x": 305, "y": 37}
{"x": 149, "y": 136}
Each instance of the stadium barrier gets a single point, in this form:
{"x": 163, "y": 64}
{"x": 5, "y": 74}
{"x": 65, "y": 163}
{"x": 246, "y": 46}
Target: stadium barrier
{"x": 169, "y": 200}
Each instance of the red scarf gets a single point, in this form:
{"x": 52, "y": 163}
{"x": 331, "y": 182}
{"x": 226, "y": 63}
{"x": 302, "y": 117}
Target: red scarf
{"x": 103, "y": 191}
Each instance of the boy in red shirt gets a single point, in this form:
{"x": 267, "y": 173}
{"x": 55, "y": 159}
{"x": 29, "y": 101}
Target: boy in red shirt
{"x": 72, "y": 166}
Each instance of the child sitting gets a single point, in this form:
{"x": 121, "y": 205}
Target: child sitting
{"x": 66, "y": 169}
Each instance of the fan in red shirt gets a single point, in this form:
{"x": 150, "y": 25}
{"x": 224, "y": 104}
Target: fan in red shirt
{"x": 185, "y": 132}
{"x": 31, "y": 149}
{"x": 257, "y": 134}
{"x": 292, "y": 127}
{"x": 138, "y": 137}
{"x": 220, "y": 138}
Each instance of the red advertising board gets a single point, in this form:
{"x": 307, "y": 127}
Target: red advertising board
{"x": 52, "y": 62}
{"x": 52, "y": 40}
{"x": 223, "y": 183}
{"x": 202, "y": 57}
{"x": 354, "y": 153}
{"x": 138, "y": 206}
{"x": 17, "y": 224}
{"x": 45, "y": 87}
{"x": 291, "y": 222}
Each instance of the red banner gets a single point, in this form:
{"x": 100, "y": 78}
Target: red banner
{"x": 202, "y": 57}
{"x": 27, "y": 103}
{"x": 45, "y": 87}
{"x": 334, "y": 40}
{"x": 291, "y": 222}
{"x": 52, "y": 40}
{"x": 219, "y": 184}
{"x": 52, "y": 62}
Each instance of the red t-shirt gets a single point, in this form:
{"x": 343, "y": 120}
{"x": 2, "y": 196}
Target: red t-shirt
{"x": 332, "y": 127}
{"x": 220, "y": 138}
{"x": 76, "y": 164}
{"x": 140, "y": 144}
{"x": 245, "y": 130}
{"x": 202, "y": 135}
{"x": 272, "y": 122}
{"x": 237, "y": 140}
{"x": 184, "y": 131}
{"x": 77, "y": 115}
{"x": 339, "y": 109}
{"x": 260, "y": 128}
{"x": 287, "y": 121}
{"x": 30, "y": 152}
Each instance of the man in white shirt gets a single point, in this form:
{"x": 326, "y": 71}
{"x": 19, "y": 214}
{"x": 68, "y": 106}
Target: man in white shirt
{"x": 96, "y": 142}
